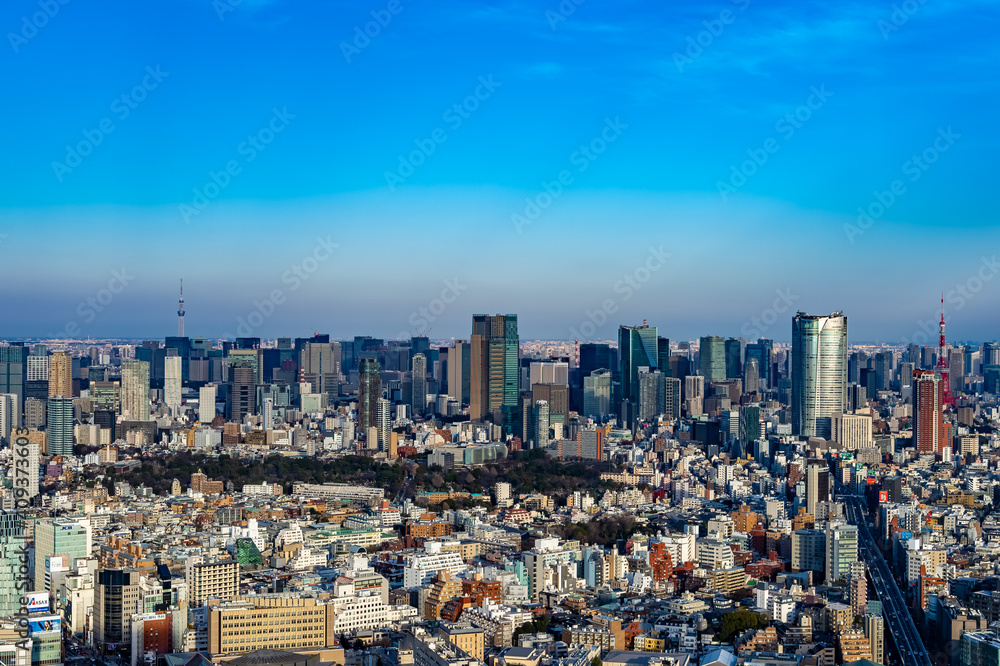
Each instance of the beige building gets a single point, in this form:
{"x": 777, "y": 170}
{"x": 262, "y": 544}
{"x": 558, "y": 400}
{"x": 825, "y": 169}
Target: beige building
{"x": 269, "y": 622}
{"x": 464, "y": 636}
{"x": 219, "y": 580}
{"x": 61, "y": 374}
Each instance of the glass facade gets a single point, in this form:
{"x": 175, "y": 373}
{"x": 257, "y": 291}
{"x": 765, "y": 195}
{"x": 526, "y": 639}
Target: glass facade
{"x": 819, "y": 372}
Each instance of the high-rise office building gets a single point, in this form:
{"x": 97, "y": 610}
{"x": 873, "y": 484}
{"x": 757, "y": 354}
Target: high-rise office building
{"x": 13, "y": 361}
{"x": 320, "y": 365}
{"x": 819, "y": 372}
{"x": 493, "y": 366}
{"x": 61, "y": 374}
{"x": 762, "y": 352}
{"x": 557, "y": 398}
{"x": 712, "y": 358}
{"x": 117, "y": 597}
{"x": 369, "y": 392}
{"x": 652, "y": 394}
{"x": 59, "y": 431}
{"x": 841, "y": 550}
{"x": 206, "y": 403}
{"x": 59, "y": 536}
{"x": 928, "y": 411}
{"x": 694, "y": 395}
{"x": 172, "y": 380}
{"x": 419, "y": 384}
{"x": 383, "y": 423}
{"x": 135, "y": 390}
{"x": 597, "y": 394}
{"x": 597, "y": 355}
{"x": 637, "y": 348}
{"x": 541, "y": 420}
{"x": 11, "y": 541}
{"x": 750, "y": 426}
{"x": 672, "y": 397}
{"x": 36, "y": 384}
{"x": 10, "y": 416}
{"x": 751, "y": 376}
{"x": 817, "y": 483}
{"x": 459, "y": 359}
{"x": 243, "y": 392}
{"x": 34, "y": 413}
{"x": 548, "y": 372}
{"x": 734, "y": 358}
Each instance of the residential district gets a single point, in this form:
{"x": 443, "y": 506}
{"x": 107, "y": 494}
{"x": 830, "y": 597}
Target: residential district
{"x": 492, "y": 501}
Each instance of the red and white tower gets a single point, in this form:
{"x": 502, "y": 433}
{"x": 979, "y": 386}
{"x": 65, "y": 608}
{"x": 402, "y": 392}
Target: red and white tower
{"x": 942, "y": 363}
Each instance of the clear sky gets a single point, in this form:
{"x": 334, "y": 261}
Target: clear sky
{"x": 705, "y": 163}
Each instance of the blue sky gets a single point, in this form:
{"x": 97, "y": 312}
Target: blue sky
{"x": 671, "y": 97}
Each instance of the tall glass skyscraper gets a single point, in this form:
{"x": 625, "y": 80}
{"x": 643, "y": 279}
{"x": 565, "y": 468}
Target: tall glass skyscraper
{"x": 369, "y": 392}
{"x": 493, "y": 366}
{"x": 638, "y": 347}
{"x": 712, "y": 358}
{"x": 819, "y": 372}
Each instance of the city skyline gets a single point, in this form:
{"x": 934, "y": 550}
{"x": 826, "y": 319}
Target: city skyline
{"x": 725, "y": 155}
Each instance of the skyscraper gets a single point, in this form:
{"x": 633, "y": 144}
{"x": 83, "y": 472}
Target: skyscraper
{"x": 11, "y": 540}
{"x": 734, "y": 358}
{"x": 59, "y": 433}
{"x": 459, "y": 358}
{"x": 243, "y": 392}
{"x": 817, "y": 483}
{"x": 928, "y": 408}
{"x": 819, "y": 372}
{"x": 652, "y": 394}
{"x": 751, "y": 376}
{"x": 637, "y": 348}
{"x": 13, "y": 361}
{"x": 172, "y": 378}
{"x": 61, "y": 374}
{"x": 541, "y": 424}
{"x": 761, "y": 351}
{"x": 135, "y": 390}
{"x": 493, "y": 365}
{"x": 383, "y": 423}
{"x": 320, "y": 364}
{"x": 10, "y": 413}
{"x": 206, "y": 403}
{"x": 369, "y": 392}
{"x": 597, "y": 355}
{"x": 712, "y": 358}
{"x": 597, "y": 394}
{"x": 419, "y": 393}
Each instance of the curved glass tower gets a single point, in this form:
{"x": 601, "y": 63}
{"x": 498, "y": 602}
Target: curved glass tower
{"x": 819, "y": 372}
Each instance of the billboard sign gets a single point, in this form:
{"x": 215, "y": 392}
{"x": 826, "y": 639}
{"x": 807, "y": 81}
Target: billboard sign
{"x": 38, "y": 602}
{"x": 44, "y": 623}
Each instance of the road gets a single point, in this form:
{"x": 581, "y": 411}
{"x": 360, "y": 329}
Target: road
{"x": 897, "y": 616}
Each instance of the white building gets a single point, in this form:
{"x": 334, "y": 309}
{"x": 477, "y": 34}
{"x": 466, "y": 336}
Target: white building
{"x": 421, "y": 568}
